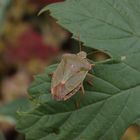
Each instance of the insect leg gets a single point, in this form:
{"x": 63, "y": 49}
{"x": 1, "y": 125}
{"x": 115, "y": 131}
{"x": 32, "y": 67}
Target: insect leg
{"x": 80, "y": 45}
{"x": 72, "y": 93}
{"x": 80, "y": 98}
{"x": 51, "y": 74}
{"x": 89, "y": 79}
{"x": 82, "y": 89}
{"x": 90, "y": 75}
{"x": 92, "y": 65}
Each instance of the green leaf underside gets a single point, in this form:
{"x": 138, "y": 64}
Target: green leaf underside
{"x": 113, "y": 102}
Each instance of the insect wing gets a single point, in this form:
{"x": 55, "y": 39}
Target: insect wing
{"x": 75, "y": 80}
{"x": 69, "y": 74}
{"x": 58, "y": 74}
{"x": 72, "y": 92}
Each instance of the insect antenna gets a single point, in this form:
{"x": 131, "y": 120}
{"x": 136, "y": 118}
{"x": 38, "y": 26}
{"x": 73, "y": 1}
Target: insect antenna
{"x": 80, "y": 45}
{"x": 108, "y": 58}
{"x": 93, "y": 52}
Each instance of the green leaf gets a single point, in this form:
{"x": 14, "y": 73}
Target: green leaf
{"x": 3, "y": 7}
{"x": 1, "y": 136}
{"x": 109, "y": 25}
{"x": 113, "y": 102}
{"x": 107, "y": 109}
{"x": 10, "y": 110}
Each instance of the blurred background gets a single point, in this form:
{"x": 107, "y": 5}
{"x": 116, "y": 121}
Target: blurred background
{"x": 28, "y": 44}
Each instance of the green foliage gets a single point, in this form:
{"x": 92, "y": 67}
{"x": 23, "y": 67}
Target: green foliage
{"x": 1, "y": 136}
{"x": 3, "y": 6}
{"x": 10, "y": 109}
{"x": 113, "y": 103}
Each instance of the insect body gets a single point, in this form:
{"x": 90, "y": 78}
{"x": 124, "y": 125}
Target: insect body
{"x": 69, "y": 75}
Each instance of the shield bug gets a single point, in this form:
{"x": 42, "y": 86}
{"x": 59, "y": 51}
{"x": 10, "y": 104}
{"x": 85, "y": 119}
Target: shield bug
{"x": 69, "y": 75}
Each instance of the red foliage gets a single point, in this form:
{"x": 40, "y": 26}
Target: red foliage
{"x": 30, "y": 45}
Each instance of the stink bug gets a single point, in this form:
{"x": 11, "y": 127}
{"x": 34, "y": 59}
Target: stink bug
{"x": 69, "y": 76}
